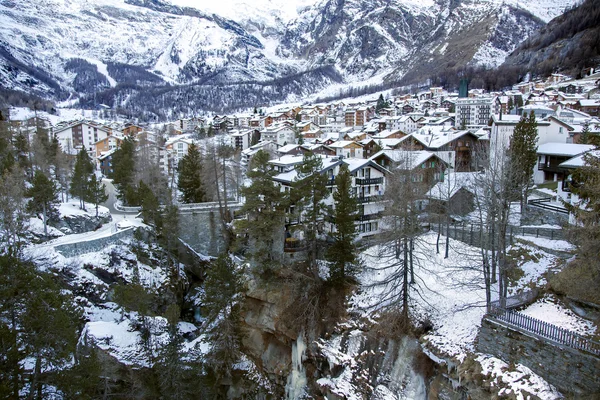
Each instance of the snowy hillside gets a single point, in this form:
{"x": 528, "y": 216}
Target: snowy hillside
{"x": 58, "y": 48}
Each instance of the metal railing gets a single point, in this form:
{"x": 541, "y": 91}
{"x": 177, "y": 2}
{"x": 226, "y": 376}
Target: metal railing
{"x": 543, "y": 329}
{"x": 541, "y": 203}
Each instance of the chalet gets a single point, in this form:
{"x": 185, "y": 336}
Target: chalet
{"x": 460, "y": 143}
{"x": 368, "y": 184}
{"x": 390, "y": 134}
{"x": 355, "y": 135}
{"x": 347, "y": 149}
{"x": 426, "y": 166}
{"x": 291, "y": 149}
{"x": 268, "y": 146}
{"x": 105, "y": 162}
{"x": 370, "y": 147}
{"x": 550, "y": 158}
{"x": 132, "y": 130}
{"x": 407, "y": 109}
{"x": 591, "y": 107}
{"x": 312, "y": 134}
{"x": 320, "y": 148}
{"x": 106, "y": 144}
{"x": 454, "y": 195}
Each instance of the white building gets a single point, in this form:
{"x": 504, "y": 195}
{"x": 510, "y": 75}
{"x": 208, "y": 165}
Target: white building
{"x": 281, "y": 134}
{"x": 475, "y": 113}
{"x": 368, "y": 185}
{"x": 81, "y": 134}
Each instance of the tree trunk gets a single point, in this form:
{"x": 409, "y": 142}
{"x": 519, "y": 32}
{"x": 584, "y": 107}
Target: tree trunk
{"x": 45, "y": 222}
{"x": 447, "y": 236}
{"x": 437, "y": 242}
{"x": 412, "y": 270}
{"x": 405, "y": 282}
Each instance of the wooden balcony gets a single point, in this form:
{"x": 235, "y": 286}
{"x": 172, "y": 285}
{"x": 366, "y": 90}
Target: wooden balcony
{"x": 293, "y": 245}
{"x": 369, "y": 181}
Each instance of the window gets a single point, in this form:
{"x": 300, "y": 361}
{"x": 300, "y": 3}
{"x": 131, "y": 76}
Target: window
{"x": 560, "y": 129}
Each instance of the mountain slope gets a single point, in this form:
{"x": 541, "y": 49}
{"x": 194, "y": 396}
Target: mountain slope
{"x": 568, "y": 43}
{"x": 116, "y": 52}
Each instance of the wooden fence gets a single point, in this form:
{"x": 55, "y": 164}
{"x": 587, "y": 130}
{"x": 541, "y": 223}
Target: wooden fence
{"x": 543, "y": 329}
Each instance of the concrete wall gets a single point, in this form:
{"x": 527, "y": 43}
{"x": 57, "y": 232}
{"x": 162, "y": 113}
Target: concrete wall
{"x": 571, "y": 371}
{"x": 90, "y": 246}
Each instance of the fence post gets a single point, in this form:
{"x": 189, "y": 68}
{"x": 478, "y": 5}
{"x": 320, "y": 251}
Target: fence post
{"x": 552, "y": 234}
{"x": 537, "y": 232}
{"x": 471, "y": 239}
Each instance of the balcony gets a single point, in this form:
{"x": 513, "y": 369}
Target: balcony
{"x": 368, "y": 199}
{"x": 369, "y": 181}
{"x": 293, "y": 245}
{"x": 368, "y": 217}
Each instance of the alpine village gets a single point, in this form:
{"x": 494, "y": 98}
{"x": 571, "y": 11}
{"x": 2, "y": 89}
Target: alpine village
{"x": 300, "y": 199}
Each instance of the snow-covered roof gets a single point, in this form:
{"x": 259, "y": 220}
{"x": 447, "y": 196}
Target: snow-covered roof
{"x": 563, "y": 149}
{"x": 578, "y": 161}
{"x": 437, "y": 136}
{"x": 340, "y": 144}
{"x": 452, "y": 183}
{"x": 404, "y": 158}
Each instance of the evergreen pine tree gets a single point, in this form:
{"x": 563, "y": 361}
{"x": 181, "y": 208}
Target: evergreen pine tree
{"x": 523, "y": 156}
{"x": 124, "y": 171}
{"x": 150, "y": 206}
{"x": 37, "y": 323}
{"x": 381, "y": 103}
{"x": 585, "y": 133}
{"x": 264, "y": 206}
{"x": 342, "y": 254}
{"x": 44, "y": 197}
{"x": 308, "y": 194}
{"x": 82, "y": 173}
{"x": 189, "y": 180}
{"x": 222, "y": 286}
{"x": 96, "y": 192}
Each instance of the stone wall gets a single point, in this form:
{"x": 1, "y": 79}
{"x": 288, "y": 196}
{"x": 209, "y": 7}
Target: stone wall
{"x": 90, "y": 246}
{"x": 571, "y": 371}
{"x": 539, "y": 216}
{"x": 202, "y": 231}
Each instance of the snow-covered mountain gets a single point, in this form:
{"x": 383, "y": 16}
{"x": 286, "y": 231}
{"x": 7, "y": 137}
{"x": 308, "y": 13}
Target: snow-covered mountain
{"x": 120, "y": 48}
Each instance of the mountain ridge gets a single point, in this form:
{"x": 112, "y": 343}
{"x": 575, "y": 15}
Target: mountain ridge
{"x": 165, "y": 47}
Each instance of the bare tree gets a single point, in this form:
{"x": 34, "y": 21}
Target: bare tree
{"x": 401, "y": 229}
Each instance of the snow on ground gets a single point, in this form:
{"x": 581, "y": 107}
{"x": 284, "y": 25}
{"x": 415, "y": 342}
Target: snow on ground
{"x": 448, "y": 292}
{"x": 520, "y": 380}
{"x": 71, "y": 208}
{"x": 560, "y": 245}
{"x": 36, "y": 226}
{"x": 550, "y": 309}
{"x": 121, "y": 339}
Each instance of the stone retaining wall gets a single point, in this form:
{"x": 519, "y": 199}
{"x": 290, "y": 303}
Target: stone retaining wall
{"x": 90, "y": 246}
{"x": 571, "y": 371}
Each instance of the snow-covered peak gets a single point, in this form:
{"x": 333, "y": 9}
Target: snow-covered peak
{"x": 249, "y": 10}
